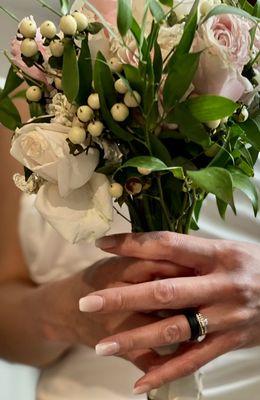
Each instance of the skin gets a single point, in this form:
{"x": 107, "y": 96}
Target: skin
{"x": 223, "y": 283}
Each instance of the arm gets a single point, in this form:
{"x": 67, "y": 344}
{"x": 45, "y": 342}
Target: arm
{"x": 21, "y": 335}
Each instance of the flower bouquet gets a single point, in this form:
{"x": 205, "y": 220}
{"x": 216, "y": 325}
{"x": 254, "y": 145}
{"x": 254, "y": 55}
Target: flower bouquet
{"x": 151, "y": 104}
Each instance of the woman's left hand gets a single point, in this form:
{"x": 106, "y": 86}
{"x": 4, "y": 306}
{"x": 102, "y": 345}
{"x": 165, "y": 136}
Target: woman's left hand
{"x": 224, "y": 286}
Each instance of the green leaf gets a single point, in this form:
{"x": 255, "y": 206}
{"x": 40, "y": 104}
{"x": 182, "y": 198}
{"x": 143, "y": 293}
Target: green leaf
{"x": 157, "y": 63}
{"x": 242, "y": 182}
{"x": 168, "y": 3}
{"x": 154, "y": 164}
{"x": 156, "y": 10}
{"x": 159, "y": 150}
{"x": 9, "y": 115}
{"x": 85, "y": 72}
{"x": 224, "y": 9}
{"x": 246, "y": 6}
{"x": 252, "y": 130}
{"x": 189, "y": 126}
{"x": 124, "y": 16}
{"x": 134, "y": 78}
{"x": 65, "y": 6}
{"x": 222, "y": 207}
{"x": 100, "y": 76}
{"x": 70, "y": 71}
{"x": 12, "y": 82}
{"x": 210, "y": 108}
{"x": 36, "y": 110}
{"x": 214, "y": 180}
{"x": 257, "y": 9}
{"x": 188, "y": 34}
{"x": 180, "y": 76}
{"x": 95, "y": 27}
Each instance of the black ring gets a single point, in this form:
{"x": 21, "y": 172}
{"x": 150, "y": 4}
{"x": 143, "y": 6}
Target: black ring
{"x": 195, "y": 327}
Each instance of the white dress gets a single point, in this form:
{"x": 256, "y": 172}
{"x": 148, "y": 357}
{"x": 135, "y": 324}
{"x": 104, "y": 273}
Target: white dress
{"x": 81, "y": 375}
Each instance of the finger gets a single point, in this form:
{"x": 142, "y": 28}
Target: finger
{"x": 146, "y": 360}
{"x": 162, "y": 294}
{"x": 188, "y": 251}
{"x": 190, "y": 360}
{"x": 165, "y": 332}
{"x": 221, "y": 317}
{"x": 139, "y": 270}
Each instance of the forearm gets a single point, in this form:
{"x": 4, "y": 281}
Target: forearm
{"x": 25, "y": 334}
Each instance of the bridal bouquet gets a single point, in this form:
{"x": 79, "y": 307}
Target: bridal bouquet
{"x": 154, "y": 111}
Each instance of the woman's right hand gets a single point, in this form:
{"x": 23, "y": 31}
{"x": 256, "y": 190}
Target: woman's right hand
{"x": 62, "y": 321}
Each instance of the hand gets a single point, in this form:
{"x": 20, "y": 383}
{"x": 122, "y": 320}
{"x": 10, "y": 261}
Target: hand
{"x": 225, "y": 289}
{"x": 62, "y": 321}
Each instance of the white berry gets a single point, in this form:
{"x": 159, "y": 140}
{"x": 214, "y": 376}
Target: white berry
{"x": 85, "y": 113}
{"x": 68, "y": 25}
{"x": 58, "y": 83}
{"x": 29, "y": 47}
{"x": 93, "y": 101}
{"x": 144, "y": 171}
{"x": 132, "y": 99}
{"x": 116, "y": 190}
{"x": 81, "y": 19}
{"x": 28, "y": 28}
{"x": 56, "y": 48}
{"x": 77, "y": 122}
{"x": 77, "y": 135}
{"x": 121, "y": 87}
{"x": 48, "y": 29}
{"x": 119, "y": 112}
{"x": 95, "y": 128}
{"x": 214, "y": 124}
{"x": 243, "y": 115}
{"x": 115, "y": 65}
{"x": 33, "y": 93}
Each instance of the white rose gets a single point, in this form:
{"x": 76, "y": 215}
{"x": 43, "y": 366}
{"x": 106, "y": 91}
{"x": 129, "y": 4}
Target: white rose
{"x": 86, "y": 214}
{"x": 43, "y": 149}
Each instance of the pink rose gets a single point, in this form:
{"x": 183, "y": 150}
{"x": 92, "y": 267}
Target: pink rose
{"x": 33, "y": 72}
{"x": 225, "y": 44}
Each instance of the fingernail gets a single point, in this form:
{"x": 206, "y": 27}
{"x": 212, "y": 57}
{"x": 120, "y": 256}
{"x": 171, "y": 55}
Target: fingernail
{"x": 106, "y": 242}
{"x": 107, "y": 349}
{"x": 91, "y": 304}
{"x": 142, "y": 389}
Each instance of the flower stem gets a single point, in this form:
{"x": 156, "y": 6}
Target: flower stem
{"x": 49, "y": 7}
{"x": 189, "y": 216}
{"x": 9, "y": 13}
{"x": 163, "y": 205}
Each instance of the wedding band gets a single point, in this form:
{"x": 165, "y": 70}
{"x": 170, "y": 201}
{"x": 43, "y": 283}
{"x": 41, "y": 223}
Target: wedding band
{"x": 204, "y": 323}
{"x": 198, "y": 325}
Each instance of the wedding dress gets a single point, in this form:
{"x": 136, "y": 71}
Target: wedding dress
{"x": 81, "y": 374}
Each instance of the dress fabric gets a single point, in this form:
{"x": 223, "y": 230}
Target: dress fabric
{"x": 83, "y": 375}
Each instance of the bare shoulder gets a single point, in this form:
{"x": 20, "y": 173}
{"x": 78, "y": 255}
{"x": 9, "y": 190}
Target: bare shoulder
{"x": 11, "y": 259}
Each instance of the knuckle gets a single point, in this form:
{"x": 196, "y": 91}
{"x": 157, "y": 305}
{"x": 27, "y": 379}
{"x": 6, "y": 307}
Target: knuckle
{"x": 240, "y": 339}
{"x": 191, "y": 367}
{"x": 243, "y": 288}
{"x": 171, "y": 334}
{"x": 164, "y": 292}
{"x": 120, "y": 301}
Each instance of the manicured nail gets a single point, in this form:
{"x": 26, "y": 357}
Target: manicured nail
{"x": 142, "y": 389}
{"x": 107, "y": 349}
{"x": 91, "y": 304}
{"x": 106, "y": 242}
